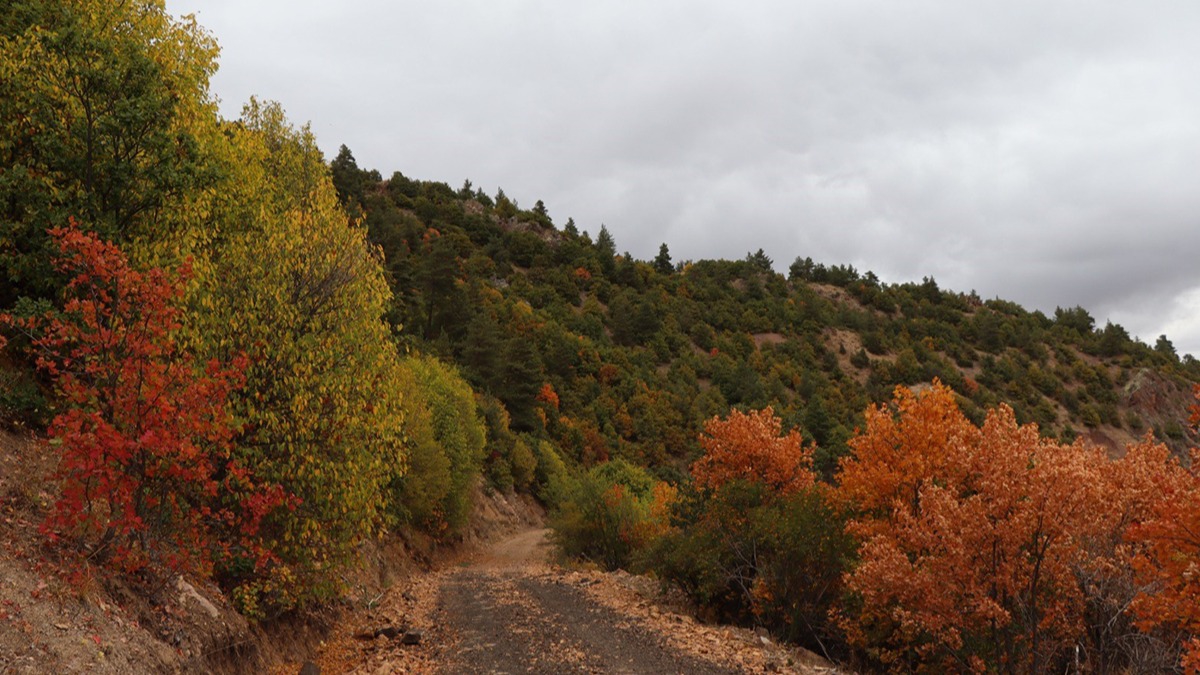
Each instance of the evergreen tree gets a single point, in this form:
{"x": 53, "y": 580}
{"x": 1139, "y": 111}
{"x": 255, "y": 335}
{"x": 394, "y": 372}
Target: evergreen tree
{"x": 348, "y": 179}
{"x": 606, "y": 250}
{"x": 759, "y": 261}
{"x": 801, "y": 269}
{"x": 438, "y": 275}
{"x": 521, "y": 382}
{"x": 481, "y": 351}
{"x": 662, "y": 263}
{"x": 1165, "y": 347}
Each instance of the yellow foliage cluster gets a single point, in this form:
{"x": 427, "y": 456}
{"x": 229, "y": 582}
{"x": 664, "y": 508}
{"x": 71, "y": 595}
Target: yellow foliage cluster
{"x": 293, "y": 284}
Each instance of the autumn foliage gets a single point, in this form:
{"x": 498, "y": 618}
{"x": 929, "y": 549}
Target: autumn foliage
{"x": 761, "y": 540}
{"x": 144, "y": 437}
{"x": 751, "y": 447}
{"x": 970, "y": 535}
{"x": 321, "y": 403}
{"x": 943, "y": 546}
{"x": 1169, "y": 563}
{"x": 903, "y": 448}
{"x": 995, "y": 548}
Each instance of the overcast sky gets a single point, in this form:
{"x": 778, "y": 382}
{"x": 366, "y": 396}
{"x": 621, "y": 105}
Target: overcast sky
{"x": 1042, "y": 151}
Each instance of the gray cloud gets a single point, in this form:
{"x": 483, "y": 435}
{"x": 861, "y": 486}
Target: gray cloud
{"x": 1037, "y": 151}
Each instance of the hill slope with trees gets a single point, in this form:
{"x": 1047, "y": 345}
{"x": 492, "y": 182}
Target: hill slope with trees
{"x": 640, "y": 353}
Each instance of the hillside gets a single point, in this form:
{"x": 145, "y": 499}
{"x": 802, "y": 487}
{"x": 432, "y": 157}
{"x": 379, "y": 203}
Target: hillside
{"x": 640, "y": 353}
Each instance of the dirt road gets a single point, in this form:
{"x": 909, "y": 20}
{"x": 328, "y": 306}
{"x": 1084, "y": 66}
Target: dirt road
{"x": 514, "y": 615}
{"x": 509, "y": 611}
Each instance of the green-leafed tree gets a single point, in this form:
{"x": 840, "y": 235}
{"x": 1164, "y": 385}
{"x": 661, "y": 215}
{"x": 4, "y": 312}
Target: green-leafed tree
{"x": 459, "y": 430}
{"x": 102, "y": 124}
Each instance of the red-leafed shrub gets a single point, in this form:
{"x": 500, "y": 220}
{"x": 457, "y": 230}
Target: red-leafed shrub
{"x": 143, "y": 435}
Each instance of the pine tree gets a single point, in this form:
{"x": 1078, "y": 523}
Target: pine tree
{"x": 662, "y": 263}
{"x": 521, "y": 382}
{"x": 606, "y": 250}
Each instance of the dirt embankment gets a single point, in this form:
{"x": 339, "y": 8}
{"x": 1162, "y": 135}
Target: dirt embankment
{"x": 176, "y": 625}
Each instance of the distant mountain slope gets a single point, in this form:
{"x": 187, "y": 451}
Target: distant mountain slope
{"x": 612, "y": 356}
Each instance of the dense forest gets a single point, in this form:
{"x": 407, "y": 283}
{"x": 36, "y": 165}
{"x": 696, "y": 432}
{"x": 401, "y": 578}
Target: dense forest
{"x": 248, "y": 361}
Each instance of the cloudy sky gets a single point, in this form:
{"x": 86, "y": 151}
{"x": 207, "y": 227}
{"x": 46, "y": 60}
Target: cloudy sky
{"x": 1043, "y": 151}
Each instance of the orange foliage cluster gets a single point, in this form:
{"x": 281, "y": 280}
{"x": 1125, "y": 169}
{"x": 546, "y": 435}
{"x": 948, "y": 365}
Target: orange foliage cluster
{"x": 989, "y": 546}
{"x": 1170, "y": 561}
{"x": 751, "y": 447}
{"x": 900, "y": 453}
{"x": 656, "y": 521}
{"x": 548, "y": 396}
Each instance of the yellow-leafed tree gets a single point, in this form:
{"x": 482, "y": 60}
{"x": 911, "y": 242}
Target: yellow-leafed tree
{"x": 289, "y": 281}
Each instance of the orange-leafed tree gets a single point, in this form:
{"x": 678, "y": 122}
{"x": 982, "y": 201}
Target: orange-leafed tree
{"x": 762, "y": 541}
{"x": 1133, "y": 486}
{"x": 752, "y": 447}
{"x": 970, "y": 538}
{"x": 906, "y": 446}
{"x": 1169, "y": 564}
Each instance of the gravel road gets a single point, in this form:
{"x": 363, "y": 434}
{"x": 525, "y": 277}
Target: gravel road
{"x": 512, "y": 616}
{"x": 508, "y": 610}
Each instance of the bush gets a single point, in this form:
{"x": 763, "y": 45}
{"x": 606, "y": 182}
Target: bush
{"x": 418, "y": 496}
{"x": 21, "y": 400}
{"x": 522, "y": 464}
{"x": 610, "y": 513}
{"x": 750, "y": 556}
{"x": 497, "y": 462}
{"x": 459, "y": 431}
{"x": 550, "y": 475}
{"x": 713, "y": 554}
{"x": 144, "y": 435}
{"x": 805, "y": 552}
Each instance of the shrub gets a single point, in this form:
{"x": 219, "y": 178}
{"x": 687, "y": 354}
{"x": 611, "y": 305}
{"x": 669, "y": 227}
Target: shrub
{"x": 418, "y": 496}
{"x": 805, "y": 552}
{"x": 522, "y": 465}
{"x": 144, "y": 436}
{"x": 550, "y": 476}
{"x": 753, "y": 556}
{"x": 458, "y": 429}
{"x": 611, "y": 512}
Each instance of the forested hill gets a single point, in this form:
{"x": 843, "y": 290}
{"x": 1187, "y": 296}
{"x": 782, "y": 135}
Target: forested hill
{"x": 617, "y": 357}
